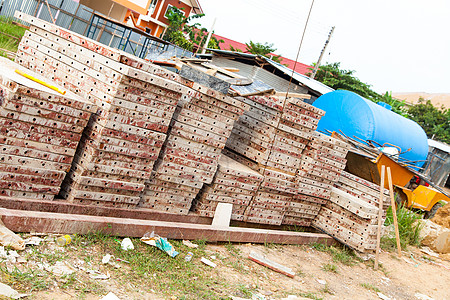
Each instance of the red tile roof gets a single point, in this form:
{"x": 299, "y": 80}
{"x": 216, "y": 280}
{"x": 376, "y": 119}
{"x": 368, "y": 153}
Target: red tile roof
{"x": 299, "y": 67}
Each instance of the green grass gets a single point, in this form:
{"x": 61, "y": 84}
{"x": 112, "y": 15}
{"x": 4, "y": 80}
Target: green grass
{"x": 10, "y": 36}
{"x": 343, "y": 255}
{"x": 370, "y": 287}
{"x": 409, "y": 229}
{"x": 329, "y": 268}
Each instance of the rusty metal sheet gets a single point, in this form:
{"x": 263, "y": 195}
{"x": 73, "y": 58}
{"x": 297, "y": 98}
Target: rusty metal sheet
{"x": 289, "y": 220}
{"x": 306, "y": 106}
{"x": 147, "y": 95}
{"x": 217, "y": 109}
{"x": 309, "y": 198}
{"x": 204, "y": 126}
{"x": 349, "y": 215}
{"x": 199, "y": 157}
{"x": 272, "y": 102}
{"x": 186, "y": 113}
{"x": 208, "y": 113}
{"x": 29, "y": 179}
{"x": 12, "y": 106}
{"x": 151, "y": 108}
{"x": 62, "y": 137}
{"x": 167, "y": 168}
{"x": 240, "y": 179}
{"x": 28, "y": 143}
{"x": 33, "y": 153}
{"x": 103, "y": 204}
{"x": 180, "y": 180}
{"x": 189, "y": 163}
{"x": 24, "y": 117}
{"x": 161, "y": 185}
{"x": 69, "y": 35}
{"x": 28, "y": 187}
{"x": 31, "y": 162}
{"x": 353, "y": 204}
{"x": 25, "y": 195}
{"x": 101, "y": 196}
{"x": 198, "y": 135}
{"x": 151, "y": 190}
{"x": 42, "y": 173}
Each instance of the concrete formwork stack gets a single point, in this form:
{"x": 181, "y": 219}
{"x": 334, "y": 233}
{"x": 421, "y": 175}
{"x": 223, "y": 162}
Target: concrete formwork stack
{"x": 123, "y": 139}
{"x": 190, "y": 157}
{"x": 270, "y": 139}
{"x": 351, "y": 214}
{"x": 233, "y": 183}
{"x": 39, "y": 132}
{"x": 323, "y": 161}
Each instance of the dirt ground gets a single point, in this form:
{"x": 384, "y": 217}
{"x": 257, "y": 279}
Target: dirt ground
{"x": 319, "y": 275}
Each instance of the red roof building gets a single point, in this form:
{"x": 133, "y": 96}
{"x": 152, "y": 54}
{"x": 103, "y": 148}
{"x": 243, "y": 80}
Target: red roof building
{"x": 299, "y": 67}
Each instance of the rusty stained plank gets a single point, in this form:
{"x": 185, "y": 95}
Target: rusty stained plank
{"x": 64, "y": 207}
{"x": 14, "y": 195}
{"x": 297, "y": 221}
{"x": 33, "y": 153}
{"x": 13, "y": 106}
{"x": 183, "y": 180}
{"x": 69, "y": 35}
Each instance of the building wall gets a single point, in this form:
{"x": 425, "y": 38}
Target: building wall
{"x": 118, "y": 12}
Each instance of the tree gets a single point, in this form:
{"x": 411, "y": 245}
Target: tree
{"x": 435, "y": 121}
{"x": 179, "y": 32}
{"x": 333, "y": 76}
{"x": 262, "y": 49}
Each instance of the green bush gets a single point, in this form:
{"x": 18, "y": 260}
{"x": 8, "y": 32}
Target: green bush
{"x": 408, "y": 228}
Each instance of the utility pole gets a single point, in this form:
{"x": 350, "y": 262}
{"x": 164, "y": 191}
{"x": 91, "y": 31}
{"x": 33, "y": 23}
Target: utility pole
{"x": 313, "y": 74}
{"x": 209, "y": 37}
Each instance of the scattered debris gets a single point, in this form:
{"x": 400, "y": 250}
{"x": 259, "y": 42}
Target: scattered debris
{"x": 383, "y": 296}
{"x": 34, "y": 240}
{"x": 9, "y": 238}
{"x": 110, "y": 296}
{"x": 258, "y": 258}
{"x": 188, "y": 256}
{"x": 59, "y": 269}
{"x": 127, "y": 244}
{"x": 189, "y": 244}
{"x": 321, "y": 281}
{"x": 7, "y": 291}
{"x": 422, "y": 296}
{"x": 64, "y": 240}
{"x": 159, "y": 242}
{"x": 208, "y": 262}
{"x": 428, "y": 251}
{"x": 106, "y": 258}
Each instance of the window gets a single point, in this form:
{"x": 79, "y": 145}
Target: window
{"x": 169, "y": 6}
{"x": 151, "y": 8}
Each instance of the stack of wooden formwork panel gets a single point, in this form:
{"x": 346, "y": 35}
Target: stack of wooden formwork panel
{"x": 198, "y": 133}
{"x": 323, "y": 161}
{"x": 124, "y": 138}
{"x": 233, "y": 183}
{"x": 351, "y": 214}
{"x": 297, "y": 122}
{"x": 270, "y": 138}
{"x": 39, "y": 132}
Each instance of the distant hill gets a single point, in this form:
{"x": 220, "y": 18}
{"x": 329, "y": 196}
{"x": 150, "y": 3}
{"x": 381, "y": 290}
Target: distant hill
{"x": 437, "y": 99}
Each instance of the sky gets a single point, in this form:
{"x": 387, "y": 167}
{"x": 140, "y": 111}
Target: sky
{"x": 393, "y": 45}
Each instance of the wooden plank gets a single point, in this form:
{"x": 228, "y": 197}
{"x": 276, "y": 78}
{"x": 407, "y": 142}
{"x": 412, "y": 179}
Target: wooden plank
{"x": 260, "y": 259}
{"x": 26, "y": 221}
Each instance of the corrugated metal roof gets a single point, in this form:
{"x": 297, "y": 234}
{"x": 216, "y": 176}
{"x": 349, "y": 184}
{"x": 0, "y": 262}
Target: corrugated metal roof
{"x": 304, "y": 80}
{"x": 439, "y": 145}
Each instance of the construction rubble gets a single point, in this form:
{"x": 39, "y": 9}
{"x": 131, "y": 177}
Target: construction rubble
{"x": 130, "y": 134}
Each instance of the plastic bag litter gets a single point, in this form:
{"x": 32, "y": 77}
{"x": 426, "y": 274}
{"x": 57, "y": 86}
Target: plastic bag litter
{"x": 159, "y": 242}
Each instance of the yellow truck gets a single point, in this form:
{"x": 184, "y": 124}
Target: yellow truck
{"x": 413, "y": 189}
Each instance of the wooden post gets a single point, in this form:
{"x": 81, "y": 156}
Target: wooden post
{"x": 394, "y": 211}
{"x": 380, "y": 216}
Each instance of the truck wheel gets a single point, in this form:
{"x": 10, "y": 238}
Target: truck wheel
{"x": 430, "y": 214}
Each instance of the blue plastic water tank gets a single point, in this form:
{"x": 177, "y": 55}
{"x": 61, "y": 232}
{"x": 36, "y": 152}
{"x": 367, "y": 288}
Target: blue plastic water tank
{"x": 356, "y": 116}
